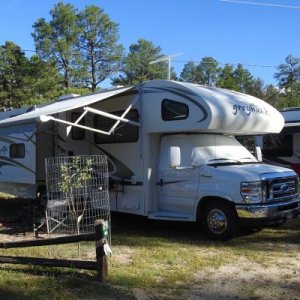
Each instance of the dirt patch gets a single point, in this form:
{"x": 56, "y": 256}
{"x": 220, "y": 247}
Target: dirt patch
{"x": 123, "y": 255}
{"x": 244, "y": 278}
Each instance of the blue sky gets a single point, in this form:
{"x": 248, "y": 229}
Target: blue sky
{"x": 231, "y": 31}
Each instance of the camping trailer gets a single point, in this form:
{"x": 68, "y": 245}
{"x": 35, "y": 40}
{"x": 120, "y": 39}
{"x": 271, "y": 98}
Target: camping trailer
{"x": 171, "y": 151}
{"x": 283, "y": 149}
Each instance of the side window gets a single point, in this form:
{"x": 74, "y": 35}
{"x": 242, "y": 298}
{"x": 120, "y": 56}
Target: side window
{"x": 173, "y": 110}
{"x": 17, "y": 150}
{"x": 76, "y": 132}
{"x": 124, "y": 133}
{"x": 278, "y": 145}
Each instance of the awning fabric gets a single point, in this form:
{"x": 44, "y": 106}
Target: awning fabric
{"x": 62, "y": 106}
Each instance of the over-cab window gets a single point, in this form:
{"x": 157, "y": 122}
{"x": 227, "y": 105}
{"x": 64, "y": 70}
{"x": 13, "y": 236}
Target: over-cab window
{"x": 17, "y": 150}
{"x": 173, "y": 110}
{"x": 76, "y": 132}
{"x": 123, "y": 133}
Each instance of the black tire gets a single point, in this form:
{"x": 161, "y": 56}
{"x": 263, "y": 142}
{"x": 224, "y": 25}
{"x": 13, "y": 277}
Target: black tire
{"x": 219, "y": 220}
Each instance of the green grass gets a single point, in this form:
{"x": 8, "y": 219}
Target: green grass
{"x": 157, "y": 260}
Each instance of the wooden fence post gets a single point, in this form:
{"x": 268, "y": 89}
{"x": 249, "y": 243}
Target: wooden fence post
{"x": 101, "y": 257}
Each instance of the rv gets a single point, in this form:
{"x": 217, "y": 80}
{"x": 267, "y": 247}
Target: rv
{"x": 283, "y": 149}
{"x": 171, "y": 150}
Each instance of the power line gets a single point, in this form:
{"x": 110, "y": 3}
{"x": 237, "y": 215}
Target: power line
{"x": 261, "y": 4}
{"x": 207, "y": 62}
{"x": 228, "y": 63}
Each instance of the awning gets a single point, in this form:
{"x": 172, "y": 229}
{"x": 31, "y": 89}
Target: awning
{"x": 62, "y": 106}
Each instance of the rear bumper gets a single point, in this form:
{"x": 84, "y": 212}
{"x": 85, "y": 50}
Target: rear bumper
{"x": 269, "y": 212}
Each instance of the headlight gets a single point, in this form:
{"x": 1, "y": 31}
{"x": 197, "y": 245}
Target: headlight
{"x": 252, "y": 192}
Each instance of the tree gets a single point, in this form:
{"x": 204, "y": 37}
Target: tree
{"x": 255, "y": 88}
{"x": 207, "y": 71}
{"x": 136, "y": 67}
{"x": 56, "y": 40}
{"x": 98, "y": 46}
{"x": 288, "y": 75}
{"x": 12, "y": 75}
{"x": 42, "y": 80}
{"x": 243, "y": 78}
{"x": 75, "y": 177}
{"x": 227, "y": 79}
{"x": 26, "y": 81}
{"x": 188, "y": 73}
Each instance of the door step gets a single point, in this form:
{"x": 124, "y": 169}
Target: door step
{"x": 172, "y": 216}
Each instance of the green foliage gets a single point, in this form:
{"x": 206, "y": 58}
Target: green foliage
{"x": 83, "y": 44}
{"x": 42, "y": 79}
{"x": 205, "y": 73}
{"x": 289, "y": 73}
{"x": 136, "y": 67}
{"x": 288, "y": 76}
{"x": 13, "y": 66}
{"x": 227, "y": 79}
{"x": 101, "y": 56}
{"x": 243, "y": 78}
{"x": 189, "y": 73}
{"x": 56, "y": 40}
{"x": 77, "y": 50}
{"x": 74, "y": 175}
{"x": 26, "y": 81}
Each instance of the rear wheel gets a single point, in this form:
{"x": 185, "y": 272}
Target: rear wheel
{"x": 219, "y": 220}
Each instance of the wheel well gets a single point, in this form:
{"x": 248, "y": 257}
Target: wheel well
{"x": 203, "y": 202}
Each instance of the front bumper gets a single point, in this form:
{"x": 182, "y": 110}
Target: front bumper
{"x": 270, "y": 212}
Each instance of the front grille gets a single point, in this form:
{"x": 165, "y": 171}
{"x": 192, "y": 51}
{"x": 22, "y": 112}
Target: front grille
{"x": 281, "y": 189}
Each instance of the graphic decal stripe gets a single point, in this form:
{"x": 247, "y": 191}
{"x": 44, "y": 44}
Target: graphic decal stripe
{"x": 182, "y": 93}
{"x": 117, "y": 168}
{"x": 5, "y": 161}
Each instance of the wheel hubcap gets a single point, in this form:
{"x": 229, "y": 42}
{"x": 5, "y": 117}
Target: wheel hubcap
{"x": 217, "y": 221}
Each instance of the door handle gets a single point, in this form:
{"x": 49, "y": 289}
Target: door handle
{"x": 161, "y": 182}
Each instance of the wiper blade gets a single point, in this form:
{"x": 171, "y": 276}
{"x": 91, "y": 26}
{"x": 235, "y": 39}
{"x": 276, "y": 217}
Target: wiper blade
{"x": 223, "y": 161}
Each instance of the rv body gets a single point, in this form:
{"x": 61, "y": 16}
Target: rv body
{"x": 171, "y": 152}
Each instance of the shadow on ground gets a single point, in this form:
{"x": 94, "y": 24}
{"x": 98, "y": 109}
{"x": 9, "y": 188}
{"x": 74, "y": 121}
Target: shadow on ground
{"x": 130, "y": 225}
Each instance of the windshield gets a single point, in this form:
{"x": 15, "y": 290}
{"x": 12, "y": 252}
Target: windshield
{"x": 218, "y": 149}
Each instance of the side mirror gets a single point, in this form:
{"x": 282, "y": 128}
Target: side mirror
{"x": 175, "y": 157}
{"x": 258, "y": 153}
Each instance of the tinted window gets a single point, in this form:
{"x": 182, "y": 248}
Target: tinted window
{"x": 278, "y": 145}
{"x": 17, "y": 150}
{"x": 173, "y": 110}
{"x": 77, "y": 133}
{"x": 124, "y": 133}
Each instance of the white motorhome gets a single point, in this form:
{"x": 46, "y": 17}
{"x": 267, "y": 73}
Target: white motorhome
{"x": 171, "y": 151}
{"x": 283, "y": 149}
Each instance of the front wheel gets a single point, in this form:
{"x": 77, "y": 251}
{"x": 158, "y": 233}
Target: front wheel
{"x": 219, "y": 220}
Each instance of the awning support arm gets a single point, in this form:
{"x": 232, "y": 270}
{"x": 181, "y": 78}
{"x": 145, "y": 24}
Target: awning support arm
{"x": 97, "y": 112}
{"x": 111, "y": 116}
{"x": 77, "y": 125}
{"x": 123, "y": 115}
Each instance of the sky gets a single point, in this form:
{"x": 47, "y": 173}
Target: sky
{"x": 259, "y": 34}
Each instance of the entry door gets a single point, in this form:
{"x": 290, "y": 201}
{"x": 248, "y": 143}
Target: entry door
{"x": 178, "y": 187}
